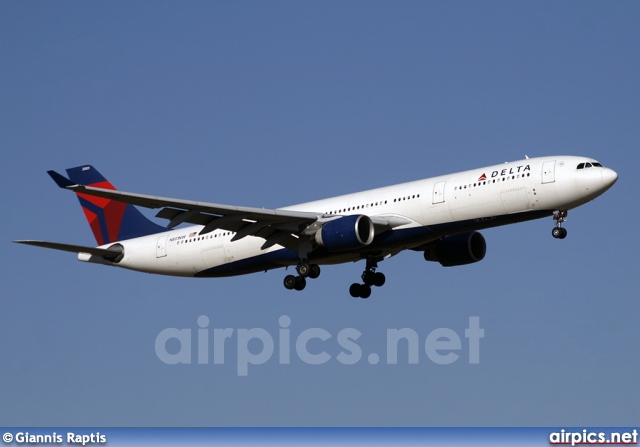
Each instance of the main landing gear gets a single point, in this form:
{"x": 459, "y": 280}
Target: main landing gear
{"x": 305, "y": 270}
{"x": 370, "y": 278}
{"x": 558, "y": 232}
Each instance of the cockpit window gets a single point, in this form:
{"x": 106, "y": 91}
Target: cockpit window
{"x": 595, "y": 164}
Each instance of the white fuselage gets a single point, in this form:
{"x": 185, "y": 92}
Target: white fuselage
{"x": 427, "y": 209}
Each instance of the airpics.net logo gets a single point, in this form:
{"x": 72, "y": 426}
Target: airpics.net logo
{"x": 205, "y": 345}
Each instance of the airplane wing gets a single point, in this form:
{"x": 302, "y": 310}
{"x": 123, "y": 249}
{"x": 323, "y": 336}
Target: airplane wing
{"x": 275, "y": 226}
{"x": 107, "y": 253}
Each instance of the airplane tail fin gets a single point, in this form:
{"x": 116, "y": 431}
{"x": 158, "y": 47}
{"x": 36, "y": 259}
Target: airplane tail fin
{"x": 109, "y": 220}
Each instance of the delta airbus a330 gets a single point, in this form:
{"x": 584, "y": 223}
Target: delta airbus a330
{"x": 439, "y": 216}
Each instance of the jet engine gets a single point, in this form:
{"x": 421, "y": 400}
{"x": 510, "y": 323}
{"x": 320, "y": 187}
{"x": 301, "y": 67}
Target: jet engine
{"x": 346, "y": 233}
{"x": 457, "y": 249}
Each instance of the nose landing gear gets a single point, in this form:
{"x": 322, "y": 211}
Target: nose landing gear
{"x": 558, "y": 232}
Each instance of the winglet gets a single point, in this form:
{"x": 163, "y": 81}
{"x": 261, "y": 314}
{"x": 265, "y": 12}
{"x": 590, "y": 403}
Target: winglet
{"x": 110, "y": 220}
{"x": 60, "y": 180}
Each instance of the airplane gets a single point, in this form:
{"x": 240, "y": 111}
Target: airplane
{"x": 439, "y": 216}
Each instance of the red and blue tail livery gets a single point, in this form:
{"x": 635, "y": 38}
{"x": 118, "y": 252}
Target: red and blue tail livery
{"x": 110, "y": 220}
{"x": 439, "y": 216}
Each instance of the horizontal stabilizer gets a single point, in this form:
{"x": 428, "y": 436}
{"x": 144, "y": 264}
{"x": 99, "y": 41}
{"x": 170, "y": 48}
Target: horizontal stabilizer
{"x": 107, "y": 253}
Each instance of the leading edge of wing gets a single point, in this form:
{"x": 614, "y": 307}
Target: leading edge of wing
{"x": 149, "y": 201}
{"x": 104, "y": 252}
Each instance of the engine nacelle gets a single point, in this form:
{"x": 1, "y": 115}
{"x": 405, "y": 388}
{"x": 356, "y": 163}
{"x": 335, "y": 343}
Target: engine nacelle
{"x": 346, "y": 233}
{"x": 457, "y": 249}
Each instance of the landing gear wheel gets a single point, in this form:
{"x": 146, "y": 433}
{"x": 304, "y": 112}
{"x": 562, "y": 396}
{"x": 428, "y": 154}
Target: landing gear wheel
{"x": 360, "y": 290}
{"x": 378, "y": 279}
{"x": 303, "y": 269}
{"x": 559, "y": 216}
{"x": 559, "y": 232}
{"x": 372, "y": 278}
{"x": 314, "y": 271}
{"x": 368, "y": 277}
{"x": 301, "y": 283}
{"x": 289, "y": 282}
{"x": 294, "y": 282}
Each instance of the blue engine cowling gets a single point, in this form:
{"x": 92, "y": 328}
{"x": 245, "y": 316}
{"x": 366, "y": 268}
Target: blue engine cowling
{"x": 457, "y": 249}
{"x": 346, "y": 233}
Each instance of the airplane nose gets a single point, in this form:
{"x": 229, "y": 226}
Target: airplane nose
{"x": 609, "y": 177}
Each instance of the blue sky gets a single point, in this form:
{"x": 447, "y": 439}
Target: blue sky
{"x": 273, "y": 103}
